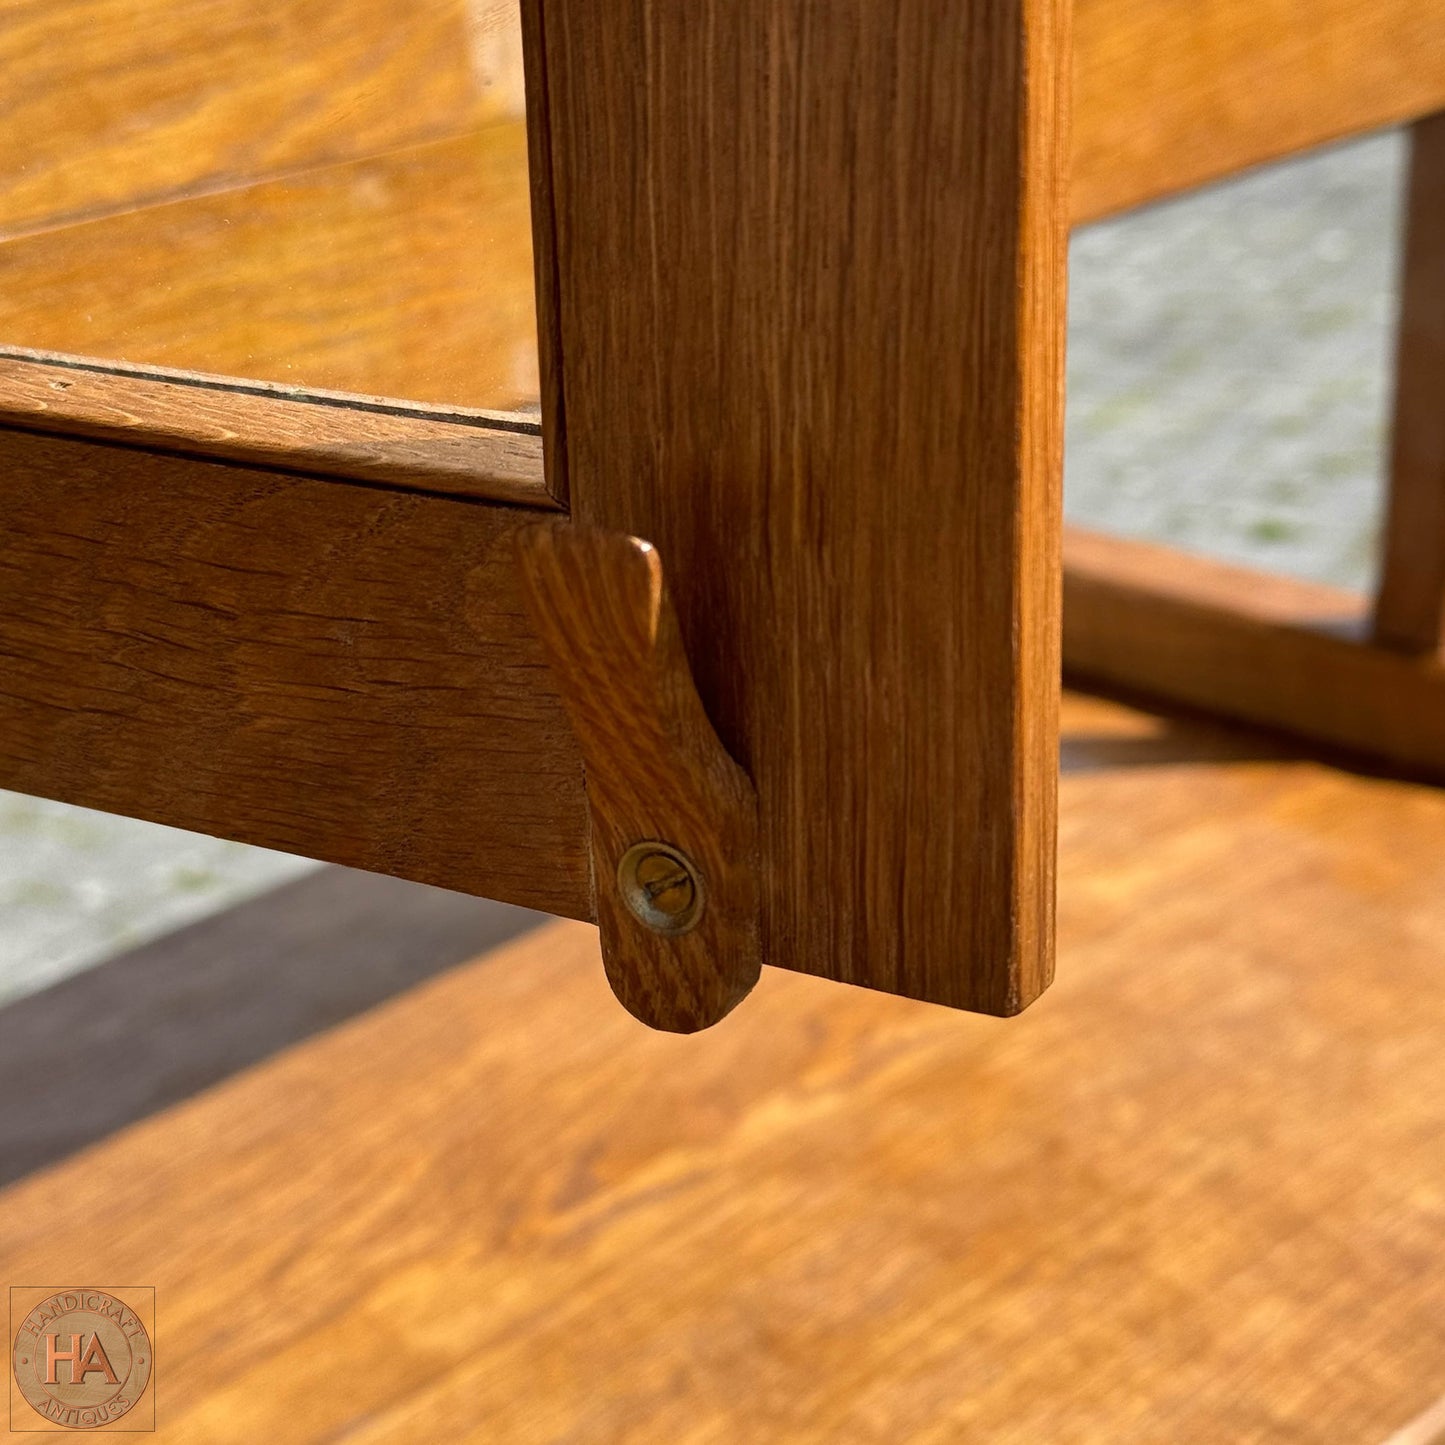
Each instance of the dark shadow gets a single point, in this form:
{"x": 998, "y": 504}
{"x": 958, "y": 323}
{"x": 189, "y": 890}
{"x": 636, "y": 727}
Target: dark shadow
{"x": 1082, "y": 752}
{"x": 156, "y": 1025}
{"x": 1186, "y": 734}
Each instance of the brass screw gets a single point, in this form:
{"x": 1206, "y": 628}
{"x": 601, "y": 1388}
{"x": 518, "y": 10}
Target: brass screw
{"x": 661, "y": 886}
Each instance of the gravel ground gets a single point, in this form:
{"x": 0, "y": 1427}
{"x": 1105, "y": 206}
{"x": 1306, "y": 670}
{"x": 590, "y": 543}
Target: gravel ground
{"x": 1227, "y": 393}
{"x": 1229, "y": 365}
{"x": 77, "y": 887}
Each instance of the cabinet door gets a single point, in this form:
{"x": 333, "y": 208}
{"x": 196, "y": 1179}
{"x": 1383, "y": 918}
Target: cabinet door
{"x": 798, "y": 306}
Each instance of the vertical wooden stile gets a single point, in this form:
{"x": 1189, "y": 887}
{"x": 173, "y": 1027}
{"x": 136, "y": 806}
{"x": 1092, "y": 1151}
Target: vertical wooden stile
{"x": 803, "y": 308}
{"x": 1410, "y": 609}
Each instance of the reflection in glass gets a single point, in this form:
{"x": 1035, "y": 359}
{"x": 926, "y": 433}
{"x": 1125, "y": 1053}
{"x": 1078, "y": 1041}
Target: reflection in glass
{"x": 329, "y": 193}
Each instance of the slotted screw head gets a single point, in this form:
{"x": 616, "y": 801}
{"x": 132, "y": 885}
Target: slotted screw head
{"x": 661, "y": 886}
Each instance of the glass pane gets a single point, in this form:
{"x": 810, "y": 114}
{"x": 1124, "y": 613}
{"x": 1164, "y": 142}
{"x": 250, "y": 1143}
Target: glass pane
{"x": 327, "y": 193}
{"x": 1229, "y": 365}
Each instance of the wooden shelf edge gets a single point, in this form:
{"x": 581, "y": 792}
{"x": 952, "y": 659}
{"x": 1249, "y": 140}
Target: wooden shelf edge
{"x": 1250, "y": 646}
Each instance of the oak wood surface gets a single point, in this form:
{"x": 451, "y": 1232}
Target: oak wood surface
{"x": 403, "y": 275}
{"x": 1264, "y": 649}
{"x": 341, "y": 671}
{"x": 825, "y": 379}
{"x": 1169, "y": 95}
{"x": 655, "y": 774}
{"x": 1410, "y": 608}
{"x": 495, "y": 456}
{"x": 1192, "y": 1196}
{"x": 112, "y": 104}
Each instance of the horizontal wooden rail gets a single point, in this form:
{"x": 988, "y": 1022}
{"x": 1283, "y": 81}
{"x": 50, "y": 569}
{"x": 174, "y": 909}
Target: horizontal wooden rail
{"x": 1263, "y": 649}
{"x": 341, "y": 671}
{"x": 1168, "y": 95}
{"x": 490, "y": 455}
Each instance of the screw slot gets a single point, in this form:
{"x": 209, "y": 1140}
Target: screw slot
{"x": 661, "y": 886}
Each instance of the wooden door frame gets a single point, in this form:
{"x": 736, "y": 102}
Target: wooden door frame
{"x": 801, "y": 294}
{"x": 829, "y": 392}
{"x": 800, "y": 274}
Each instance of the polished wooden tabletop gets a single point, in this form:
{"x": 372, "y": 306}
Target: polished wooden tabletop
{"x": 1193, "y": 1195}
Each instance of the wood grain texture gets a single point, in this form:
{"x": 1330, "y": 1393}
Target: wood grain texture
{"x": 1410, "y": 608}
{"x": 404, "y": 275}
{"x": 1269, "y": 650}
{"x": 493, "y": 456}
{"x": 1192, "y": 1196}
{"x": 345, "y": 672}
{"x": 655, "y": 772}
{"x": 1169, "y": 95}
{"x": 823, "y": 376}
{"x": 111, "y": 104}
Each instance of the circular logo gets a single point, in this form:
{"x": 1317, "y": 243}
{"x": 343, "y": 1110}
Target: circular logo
{"x": 82, "y": 1358}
